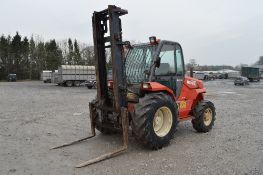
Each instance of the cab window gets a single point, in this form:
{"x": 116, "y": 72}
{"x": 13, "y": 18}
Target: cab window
{"x": 167, "y": 65}
{"x": 179, "y": 61}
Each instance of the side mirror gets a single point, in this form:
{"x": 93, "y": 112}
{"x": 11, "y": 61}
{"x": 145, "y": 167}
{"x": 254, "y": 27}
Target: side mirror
{"x": 158, "y": 62}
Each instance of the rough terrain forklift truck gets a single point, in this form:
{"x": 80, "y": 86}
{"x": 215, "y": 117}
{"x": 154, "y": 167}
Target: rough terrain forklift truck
{"x": 149, "y": 91}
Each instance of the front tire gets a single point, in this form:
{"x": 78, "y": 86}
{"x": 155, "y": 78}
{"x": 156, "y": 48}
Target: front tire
{"x": 204, "y": 114}
{"x": 154, "y": 120}
{"x": 105, "y": 130}
{"x": 105, "y": 127}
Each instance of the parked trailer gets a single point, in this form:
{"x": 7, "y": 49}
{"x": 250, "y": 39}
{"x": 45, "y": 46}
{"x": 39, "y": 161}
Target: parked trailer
{"x": 201, "y": 75}
{"x": 74, "y": 75}
{"x": 252, "y": 73}
{"x": 46, "y": 76}
{"x": 54, "y": 77}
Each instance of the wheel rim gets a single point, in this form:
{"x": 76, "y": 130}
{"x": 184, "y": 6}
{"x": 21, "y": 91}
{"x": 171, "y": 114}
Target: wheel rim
{"x": 162, "y": 121}
{"x": 207, "y": 116}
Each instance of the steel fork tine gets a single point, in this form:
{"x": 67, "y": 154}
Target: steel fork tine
{"x": 102, "y": 157}
{"x": 71, "y": 143}
{"x": 125, "y": 129}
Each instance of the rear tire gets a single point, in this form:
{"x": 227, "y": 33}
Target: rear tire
{"x": 204, "y": 114}
{"x": 144, "y": 120}
{"x": 77, "y": 83}
{"x": 89, "y": 87}
{"x": 69, "y": 83}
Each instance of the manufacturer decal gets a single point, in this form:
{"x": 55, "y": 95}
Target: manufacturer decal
{"x": 181, "y": 105}
{"x": 191, "y": 82}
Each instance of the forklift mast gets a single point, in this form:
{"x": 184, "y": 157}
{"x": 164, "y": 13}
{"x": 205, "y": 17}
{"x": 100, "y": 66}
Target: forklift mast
{"x": 108, "y": 22}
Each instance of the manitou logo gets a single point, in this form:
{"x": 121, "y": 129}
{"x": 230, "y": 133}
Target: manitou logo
{"x": 191, "y": 82}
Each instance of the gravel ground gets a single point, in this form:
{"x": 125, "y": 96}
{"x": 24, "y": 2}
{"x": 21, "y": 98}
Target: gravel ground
{"x": 35, "y": 116}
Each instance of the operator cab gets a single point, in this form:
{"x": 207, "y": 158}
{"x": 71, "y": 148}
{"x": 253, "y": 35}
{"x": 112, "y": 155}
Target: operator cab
{"x": 158, "y": 61}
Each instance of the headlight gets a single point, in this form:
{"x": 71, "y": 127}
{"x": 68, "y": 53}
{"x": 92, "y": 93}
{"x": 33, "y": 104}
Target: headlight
{"x": 146, "y": 86}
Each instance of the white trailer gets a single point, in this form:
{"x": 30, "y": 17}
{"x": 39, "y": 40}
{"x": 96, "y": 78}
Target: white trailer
{"x": 200, "y": 75}
{"x": 46, "y": 76}
{"x": 204, "y": 75}
{"x": 54, "y": 77}
{"x": 74, "y": 75}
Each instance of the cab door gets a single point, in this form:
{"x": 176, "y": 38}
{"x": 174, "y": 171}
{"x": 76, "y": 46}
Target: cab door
{"x": 170, "y": 73}
{"x": 180, "y": 70}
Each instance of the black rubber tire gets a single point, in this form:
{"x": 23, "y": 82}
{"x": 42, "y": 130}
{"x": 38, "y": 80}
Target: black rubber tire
{"x": 142, "y": 119}
{"x": 198, "y": 111}
{"x": 69, "y": 83}
{"x": 76, "y": 83}
{"x": 89, "y": 87}
{"x": 105, "y": 130}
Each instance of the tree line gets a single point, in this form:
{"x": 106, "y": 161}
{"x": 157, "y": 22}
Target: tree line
{"x": 27, "y": 57}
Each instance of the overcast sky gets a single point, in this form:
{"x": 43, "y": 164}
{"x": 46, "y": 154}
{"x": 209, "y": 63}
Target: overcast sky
{"x": 210, "y": 31}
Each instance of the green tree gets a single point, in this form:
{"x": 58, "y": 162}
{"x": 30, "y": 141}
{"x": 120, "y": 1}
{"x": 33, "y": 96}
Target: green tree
{"x": 32, "y": 59}
{"x": 88, "y": 55}
{"x": 16, "y": 55}
{"x": 70, "y": 57}
{"x": 77, "y": 56}
{"x": 27, "y": 58}
{"x": 54, "y": 55}
{"x": 24, "y": 65}
{"x": 4, "y": 55}
{"x": 41, "y": 57}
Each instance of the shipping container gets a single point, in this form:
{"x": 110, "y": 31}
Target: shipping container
{"x": 252, "y": 73}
